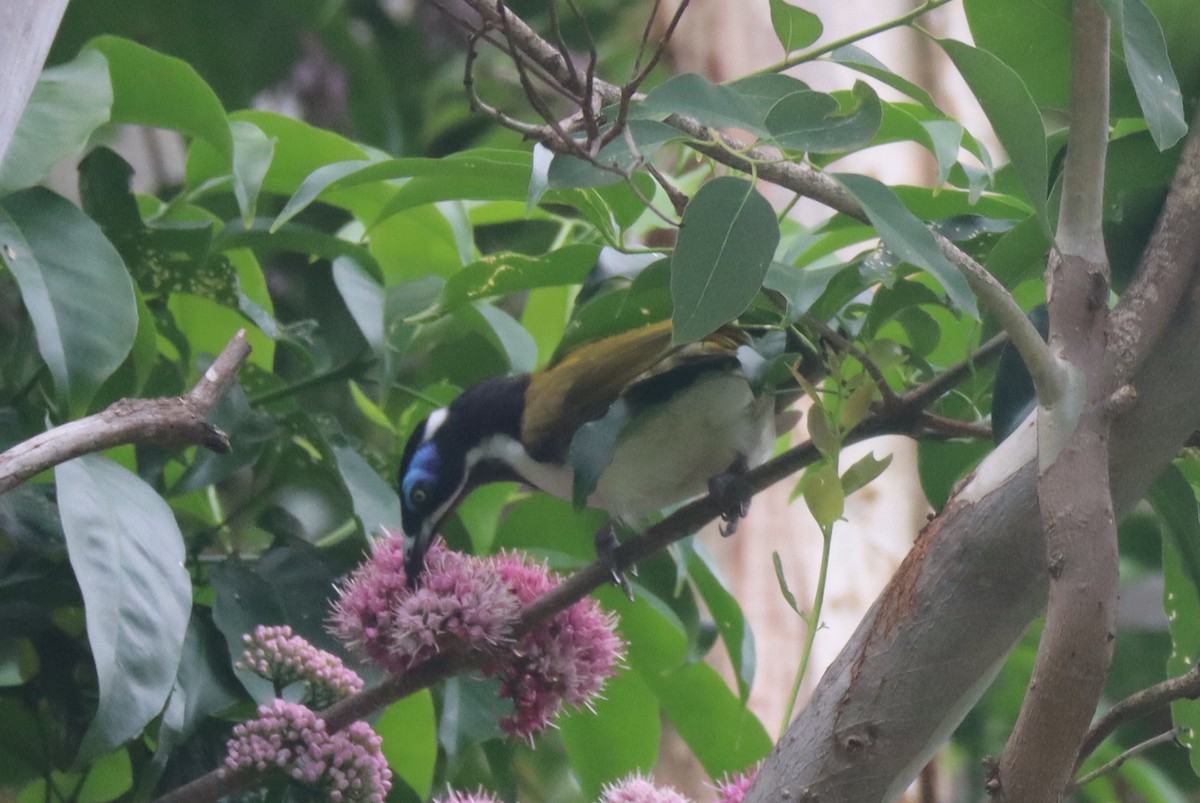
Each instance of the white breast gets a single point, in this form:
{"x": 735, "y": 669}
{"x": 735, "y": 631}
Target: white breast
{"x": 666, "y": 454}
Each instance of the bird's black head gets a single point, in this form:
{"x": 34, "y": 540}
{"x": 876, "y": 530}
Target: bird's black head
{"x": 448, "y": 454}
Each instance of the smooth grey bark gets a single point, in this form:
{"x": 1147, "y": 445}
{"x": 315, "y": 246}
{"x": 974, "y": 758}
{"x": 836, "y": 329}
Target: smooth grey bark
{"x": 27, "y": 29}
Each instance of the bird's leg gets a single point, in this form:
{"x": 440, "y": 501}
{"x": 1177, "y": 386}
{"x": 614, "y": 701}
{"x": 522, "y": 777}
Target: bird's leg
{"x": 606, "y": 552}
{"x": 731, "y": 492}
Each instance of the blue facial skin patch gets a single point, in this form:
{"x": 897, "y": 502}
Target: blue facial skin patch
{"x": 423, "y": 468}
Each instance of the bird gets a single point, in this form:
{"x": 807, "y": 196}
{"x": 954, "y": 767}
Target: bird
{"x": 692, "y": 424}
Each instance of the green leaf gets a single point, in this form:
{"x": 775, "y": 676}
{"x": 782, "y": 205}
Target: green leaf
{"x": 858, "y": 59}
{"x": 946, "y": 137}
{"x": 1175, "y": 502}
{"x": 721, "y": 731}
{"x": 730, "y": 619}
{"x": 795, "y": 27}
{"x": 940, "y": 465}
{"x": 252, "y": 154}
{"x": 824, "y": 495}
{"x": 821, "y": 432}
{"x": 127, "y": 554}
{"x": 814, "y": 122}
{"x": 726, "y": 242}
{"x": 1033, "y": 37}
{"x": 762, "y": 92}
{"x": 620, "y": 736}
{"x": 408, "y": 728}
{"x": 287, "y": 585}
{"x": 76, "y": 288}
{"x": 483, "y": 174}
{"x": 375, "y": 502}
{"x": 648, "y": 136}
{"x": 908, "y": 237}
{"x": 68, "y": 103}
{"x": 323, "y": 178}
{"x": 1150, "y": 70}
{"x": 509, "y": 337}
{"x": 1013, "y": 115}
{"x": 504, "y": 273}
{"x": 800, "y": 286}
{"x": 152, "y": 89}
{"x": 695, "y": 96}
{"x": 863, "y": 472}
{"x": 592, "y": 450}
{"x": 784, "y": 588}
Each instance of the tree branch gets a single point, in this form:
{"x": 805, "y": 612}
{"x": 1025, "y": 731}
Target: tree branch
{"x": 680, "y": 524}
{"x": 1138, "y": 705}
{"x": 1137, "y": 322}
{"x": 1166, "y": 737}
{"x": 1073, "y": 486}
{"x": 169, "y": 422}
{"x": 799, "y": 178}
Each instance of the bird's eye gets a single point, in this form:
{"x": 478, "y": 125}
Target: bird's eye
{"x": 419, "y": 495}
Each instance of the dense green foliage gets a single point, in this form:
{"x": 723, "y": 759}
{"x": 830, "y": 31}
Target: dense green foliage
{"x": 398, "y": 249}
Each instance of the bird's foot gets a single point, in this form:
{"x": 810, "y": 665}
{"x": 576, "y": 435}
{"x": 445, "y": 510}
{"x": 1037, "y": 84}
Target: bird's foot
{"x": 731, "y": 492}
{"x": 606, "y": 552}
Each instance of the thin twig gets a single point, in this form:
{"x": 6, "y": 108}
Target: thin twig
{"x": 816, "y": 53}
{"x": 890, "y": 399}
{"x": 679, "y": 199}
{"x": 1138, "y": 705}
{"x": 663, "y": 43}
{"x": 1167, "y": 737}
{"x": 527, "y": 130}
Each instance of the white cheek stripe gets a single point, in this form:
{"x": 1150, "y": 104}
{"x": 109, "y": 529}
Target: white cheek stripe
{"x": 434, "y": 422}
{"x": 552, "y": 479}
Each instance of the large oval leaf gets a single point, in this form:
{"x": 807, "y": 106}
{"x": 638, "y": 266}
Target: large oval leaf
{"x": 621, "y": 735}
{"x": 69, "y": 102}
{"x": 725, "y": 246}
{"x": 153, "y": 89}
{"x": 1150, "y": 70}
{"x": 814, "y": 122}
{"x": 127, "y": 554}
{"x": 75, "y": 286}
{"x": 907, "y": 237}
{"x": 1013, "y": 114}
{"x": 408, "y": 728}
{"x": 1175, "y": 503}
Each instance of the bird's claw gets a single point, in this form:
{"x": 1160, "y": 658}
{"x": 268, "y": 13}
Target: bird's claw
{"x": 606, "y": 552}
{"x": 731, "y": 493}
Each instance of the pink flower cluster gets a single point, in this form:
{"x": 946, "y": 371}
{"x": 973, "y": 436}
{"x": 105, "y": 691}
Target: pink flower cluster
{"x": 284, "y": 658}
{"x": 733, "y": 787}
{"x": 465, "y": 600}
{"x": 566, "y": 659}
{"x": 636, "y": 788}
{"x": 459, "y": 599}
{"x": 468, "y": 797}
{"x": 289, "y": 739}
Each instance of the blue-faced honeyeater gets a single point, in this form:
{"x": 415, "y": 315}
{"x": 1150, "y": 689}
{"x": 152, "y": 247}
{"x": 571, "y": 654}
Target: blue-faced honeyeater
{"x": 692, "y": 417}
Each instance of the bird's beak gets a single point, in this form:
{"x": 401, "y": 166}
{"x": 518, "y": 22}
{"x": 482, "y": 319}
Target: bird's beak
{"x": 414, "y": 555}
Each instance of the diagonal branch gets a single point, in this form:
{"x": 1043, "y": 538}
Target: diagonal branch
{"x": 680, "y": 524}
{"x": 170, "y": 422}
{"x": 1137, "y": 323}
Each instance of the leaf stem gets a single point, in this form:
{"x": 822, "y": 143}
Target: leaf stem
{"x": 817, "y": 52}
{"x": 814, "y": 623}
